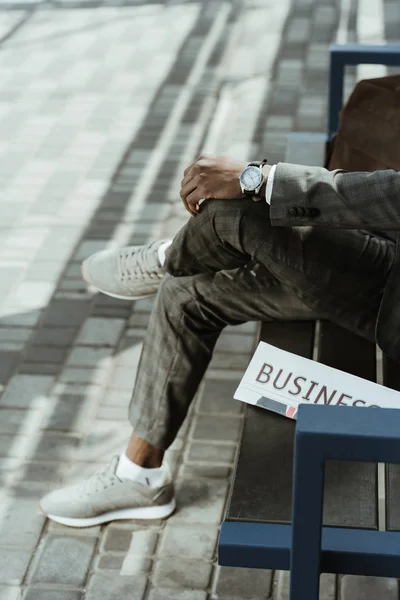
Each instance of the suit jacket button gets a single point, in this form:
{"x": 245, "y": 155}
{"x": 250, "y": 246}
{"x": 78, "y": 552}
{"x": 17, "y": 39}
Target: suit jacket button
{"x": 314, "y": 212}
{"x": 292, "y": 212}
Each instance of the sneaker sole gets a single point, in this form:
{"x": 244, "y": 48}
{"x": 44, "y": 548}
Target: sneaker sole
{"x": 150, "y": 512}
{"x": 119, "y": 296}
{"x": 122, "y": 297}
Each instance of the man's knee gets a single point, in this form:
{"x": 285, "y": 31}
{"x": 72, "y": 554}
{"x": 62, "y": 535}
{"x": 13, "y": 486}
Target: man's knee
{"x": 192, "y": 245}
{"x": 208, "y": 242}
{"x": 173, "y": 261}
{"x": 177, "y": 257}
{"x": 174, "y": 290}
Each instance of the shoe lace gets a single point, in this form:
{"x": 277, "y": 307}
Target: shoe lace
{"x": 100, "y": 480}
{"x": 134, "y": 262}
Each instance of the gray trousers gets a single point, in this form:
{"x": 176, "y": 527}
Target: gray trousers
{"x": 228, "y": 265}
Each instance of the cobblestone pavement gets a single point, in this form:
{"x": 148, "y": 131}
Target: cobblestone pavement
{"x": 90, "y": 101}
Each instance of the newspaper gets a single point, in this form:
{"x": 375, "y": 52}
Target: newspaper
{"x": 279, "y": 381}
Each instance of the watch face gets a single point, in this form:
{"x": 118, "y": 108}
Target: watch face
{"x": 251, "y": 178}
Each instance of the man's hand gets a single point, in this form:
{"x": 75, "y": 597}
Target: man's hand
{"x": 211, "y": 177}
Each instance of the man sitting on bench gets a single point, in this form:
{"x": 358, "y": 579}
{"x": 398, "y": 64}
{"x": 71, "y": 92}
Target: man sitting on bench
{"x": 270, "y": 243}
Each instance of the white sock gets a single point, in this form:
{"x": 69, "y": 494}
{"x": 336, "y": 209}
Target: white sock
{"x": 161, "y": 251}
{"x": 127, "y": 469}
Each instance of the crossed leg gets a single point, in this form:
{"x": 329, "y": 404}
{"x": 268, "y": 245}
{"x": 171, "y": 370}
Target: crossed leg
{"x": 272, "y": 274}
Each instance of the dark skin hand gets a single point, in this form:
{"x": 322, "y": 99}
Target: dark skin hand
{"x": 212, "y": 177}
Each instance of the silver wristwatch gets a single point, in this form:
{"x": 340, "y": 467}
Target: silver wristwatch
{"x": 252, "y": 178}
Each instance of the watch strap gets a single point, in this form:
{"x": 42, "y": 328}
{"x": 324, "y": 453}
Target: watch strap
{"x": 258, "y": 163}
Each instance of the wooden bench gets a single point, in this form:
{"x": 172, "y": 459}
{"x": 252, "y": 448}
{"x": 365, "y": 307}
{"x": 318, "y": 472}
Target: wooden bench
{"x": 357, "y": 495}
{"x": 256, "y": 531}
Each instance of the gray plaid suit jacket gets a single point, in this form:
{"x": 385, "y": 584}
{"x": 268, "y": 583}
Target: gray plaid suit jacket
{"x": 339, "y": 199}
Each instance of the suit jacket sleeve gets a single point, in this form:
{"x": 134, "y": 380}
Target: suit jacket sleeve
{"x": 304, "y": 195}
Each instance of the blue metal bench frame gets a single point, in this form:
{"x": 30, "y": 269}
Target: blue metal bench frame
{"x": 330, "y": 432}
{"x": 268, "y": 545}
{"x": 347, "y": 434}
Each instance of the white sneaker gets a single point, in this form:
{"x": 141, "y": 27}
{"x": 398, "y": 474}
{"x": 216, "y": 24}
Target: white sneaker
{"x": 128, "y": 273}
{"x": 105, "y": 497}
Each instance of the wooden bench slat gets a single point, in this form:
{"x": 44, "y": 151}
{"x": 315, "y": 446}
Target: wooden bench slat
{"x": 341, "y": 349}
{"x": 263, "y": 484}
{"x": 391, "y": 378}
{"x": 262, "y": 489}
{"x": 350, "y": 487}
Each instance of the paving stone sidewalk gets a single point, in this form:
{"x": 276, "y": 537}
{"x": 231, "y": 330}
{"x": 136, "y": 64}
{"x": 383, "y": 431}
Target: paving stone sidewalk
{"x": 90, "y": 100}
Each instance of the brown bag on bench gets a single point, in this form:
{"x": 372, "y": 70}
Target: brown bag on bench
{"x": 369, "y": 131}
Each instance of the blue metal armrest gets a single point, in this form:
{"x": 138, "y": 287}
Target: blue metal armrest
{"x": 342, "y": 55}
{"x": 334, "y": 433}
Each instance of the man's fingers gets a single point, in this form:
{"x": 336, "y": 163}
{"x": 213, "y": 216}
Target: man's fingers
{"x": 193, "y": 200}
{"x": 185, "y": 191}
{"x": 186, "y": 205}
{"x": 195, "y": 164}
{"x": 186, "y": 180}
{"x": 187, "y": 170}
{"x": 189, "y": 187}
{"x": 192, "y": 190}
